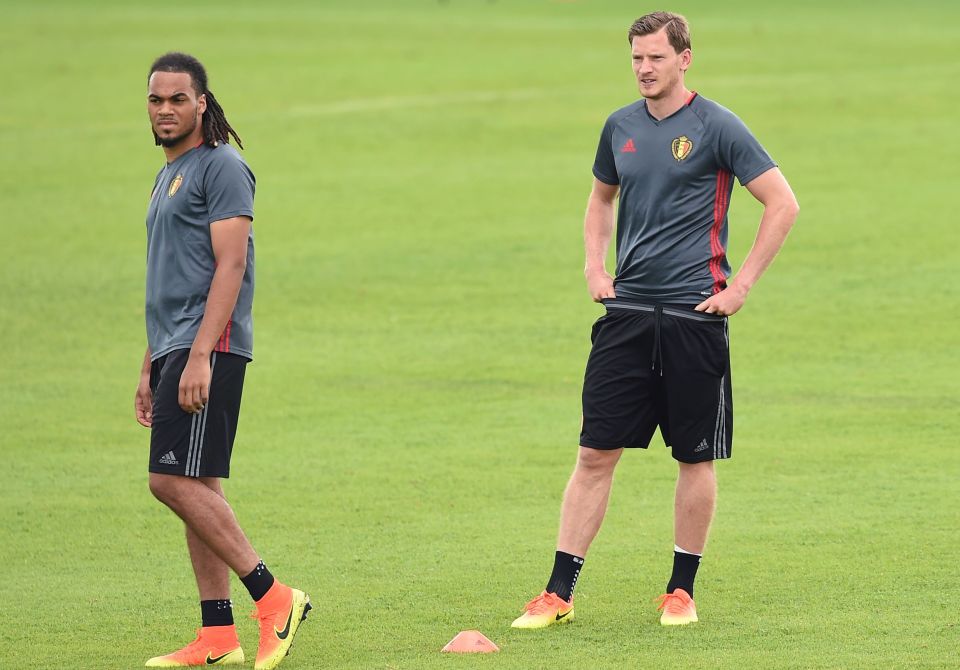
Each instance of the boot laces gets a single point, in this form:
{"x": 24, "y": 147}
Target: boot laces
{"x": 543, "y": 603}
{"x": 672, "y": 603}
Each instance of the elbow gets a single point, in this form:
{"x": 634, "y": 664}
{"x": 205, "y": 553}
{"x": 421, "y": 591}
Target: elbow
{"x": 233, "y": 265}
{"x": 791, "y": 210}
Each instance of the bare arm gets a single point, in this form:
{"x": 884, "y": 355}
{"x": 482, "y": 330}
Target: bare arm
{"x": 143, "y": 401}
{"x": 597, "y": 231}
{"x": 780, "y": 210}
{"x": 229, "y": 239}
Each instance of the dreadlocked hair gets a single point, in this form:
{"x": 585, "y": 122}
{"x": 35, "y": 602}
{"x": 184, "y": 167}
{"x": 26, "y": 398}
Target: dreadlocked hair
{"x": 215, "y": 126}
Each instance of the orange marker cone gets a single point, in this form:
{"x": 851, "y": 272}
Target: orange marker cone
{"x": 470, "y": 642}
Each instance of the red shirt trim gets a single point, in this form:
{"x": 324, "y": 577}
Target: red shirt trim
{"x": 721, "y": 202}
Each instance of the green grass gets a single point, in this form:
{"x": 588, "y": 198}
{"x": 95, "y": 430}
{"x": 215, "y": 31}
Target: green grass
{"x": 422, "y": 326}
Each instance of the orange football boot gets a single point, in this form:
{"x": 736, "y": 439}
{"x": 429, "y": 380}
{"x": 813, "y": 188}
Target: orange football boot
{"x": 678, "y": 608}
{"x": 545, "y": 610}
{"x": 279, "y": 613}
{"x": 215, "y": 645}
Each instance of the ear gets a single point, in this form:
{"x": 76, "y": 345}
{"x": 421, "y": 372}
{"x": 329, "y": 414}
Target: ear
{"x": 201, "y": 104}
{"x": 686, "y": 58}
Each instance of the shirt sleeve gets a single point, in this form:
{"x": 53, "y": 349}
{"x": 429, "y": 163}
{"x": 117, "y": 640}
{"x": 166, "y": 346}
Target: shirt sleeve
{"x": 604, "y": 166}
{"x": 229, "y": 185}
{"x": 740, "y": 152}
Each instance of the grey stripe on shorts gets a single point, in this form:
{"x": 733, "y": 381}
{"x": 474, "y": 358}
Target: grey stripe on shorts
{"x": 198, "y": 429}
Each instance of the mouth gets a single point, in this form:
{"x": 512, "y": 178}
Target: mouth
{"x": 648, "y": 82}
{"x": 166, "y": 123}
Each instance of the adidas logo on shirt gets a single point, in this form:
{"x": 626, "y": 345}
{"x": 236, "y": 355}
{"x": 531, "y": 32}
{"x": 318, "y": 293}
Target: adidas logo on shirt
{"x": 169, "y": 459}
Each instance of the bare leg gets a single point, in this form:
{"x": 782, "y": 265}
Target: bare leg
{"x": 208, "y": 515}
{"x": 694, "y": 505}
{"x": 585, "y": 500}
{"x": 213, "y": 575}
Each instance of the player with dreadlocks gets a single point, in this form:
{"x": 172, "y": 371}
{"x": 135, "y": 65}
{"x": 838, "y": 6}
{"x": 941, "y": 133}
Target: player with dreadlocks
{"x": 215, "y": 129}
{"x": 199, "y": 340}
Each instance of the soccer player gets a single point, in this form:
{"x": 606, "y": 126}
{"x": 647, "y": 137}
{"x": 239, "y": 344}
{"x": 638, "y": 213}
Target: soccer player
{"x": 660, "y": 354}
{"x": 200, "y": 339}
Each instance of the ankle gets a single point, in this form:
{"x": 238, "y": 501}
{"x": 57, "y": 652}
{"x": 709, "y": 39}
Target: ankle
{"x": 220, "y": 634}
{"x": 259, "y": 582}
{"x": 276, "y": 597}
{"x": 216, "y": 613}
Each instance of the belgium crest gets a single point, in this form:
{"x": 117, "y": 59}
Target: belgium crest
{"x": 681, "y": 147}
{"x": 175, "y": 184}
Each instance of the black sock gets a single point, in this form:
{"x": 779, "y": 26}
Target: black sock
{"x": 258, "y": 582}
{"x": 216, "y": 612}
{"x": 563, "y": 579}
{"x": 684, "y": 572}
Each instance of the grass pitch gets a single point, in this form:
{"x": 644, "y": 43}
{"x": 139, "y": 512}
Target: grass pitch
{"x": 422, "y": 326}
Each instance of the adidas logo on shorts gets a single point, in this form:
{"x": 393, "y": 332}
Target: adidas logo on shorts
{"x": 169, "y": 459}
{"x": 703, "y": 446}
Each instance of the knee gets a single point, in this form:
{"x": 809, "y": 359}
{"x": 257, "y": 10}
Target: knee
{"x": 164, "y": 488}
{"x": 704, "y": 469}
{"x": 697, "y": 474}
{"x": 597, "y": 463}
{"x": 214, "y": 484}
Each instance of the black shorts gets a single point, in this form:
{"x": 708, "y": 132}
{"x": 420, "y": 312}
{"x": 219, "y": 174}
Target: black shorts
{"x": 663, "y": 366}
{"x": 195, "y": 445}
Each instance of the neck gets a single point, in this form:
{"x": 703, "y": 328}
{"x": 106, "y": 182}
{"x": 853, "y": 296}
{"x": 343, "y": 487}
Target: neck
{"x": 663, "y": 107}
{"x": 191, "y": 141}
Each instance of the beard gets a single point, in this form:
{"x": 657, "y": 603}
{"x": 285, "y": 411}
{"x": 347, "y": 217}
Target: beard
{"x": 174, "y": 140}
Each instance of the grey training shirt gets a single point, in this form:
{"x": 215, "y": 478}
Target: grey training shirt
{"x": 675, "y": 184}
{"x": 200, "y": 187}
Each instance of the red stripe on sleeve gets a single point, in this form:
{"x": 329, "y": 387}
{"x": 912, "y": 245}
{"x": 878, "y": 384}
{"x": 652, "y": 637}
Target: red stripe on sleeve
{"x": 223, "y": 344}
{"x": 721, "y": 201}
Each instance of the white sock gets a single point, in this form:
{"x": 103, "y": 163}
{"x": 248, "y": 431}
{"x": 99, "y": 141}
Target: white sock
{"x": 684, "y": 551}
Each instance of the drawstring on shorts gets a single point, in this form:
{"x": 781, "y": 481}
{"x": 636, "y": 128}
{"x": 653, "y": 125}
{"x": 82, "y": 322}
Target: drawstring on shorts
{"x": 656, "y": 354}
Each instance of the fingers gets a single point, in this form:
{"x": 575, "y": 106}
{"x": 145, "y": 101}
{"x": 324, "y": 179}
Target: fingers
{"x": 144, "y": 417}
{"x": 710, "y": 306}
{"x": 143, "y": 404}
{"x": 603, "y": 292}
{"x": 185, "y": 397}
{"x": 194, "y": 389}
{"x": 192, "y": 397}
{"x": 604, "y": 295}
{"x": 719, "y": 311}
